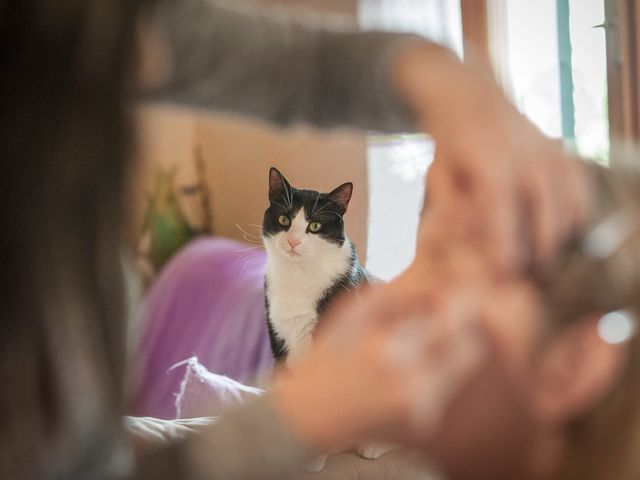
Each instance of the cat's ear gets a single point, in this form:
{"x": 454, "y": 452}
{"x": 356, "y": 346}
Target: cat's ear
{"x": 278, "y": 185}
{"x": 340, "y": 197}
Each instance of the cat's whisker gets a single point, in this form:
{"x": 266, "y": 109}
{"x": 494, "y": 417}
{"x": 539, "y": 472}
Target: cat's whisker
{"x": 247, "y": 255}
{"x": 289, "y": 193}
{"x": 329, "y": 212}
{"x": 258, "y": 228}
{"x": 250, "y": 251}
{"x": 326, "y": 205}
{"x": 315, "y": 204}
{"x": 240, "y": 257}
{"x": 325, "y": 215}
{"x": 251, "y": 240}
{"x": 247, "y": 260}
{"x": 257, "y": 247}
{"x": 279, "y": 204}
{"x": 247, "y": 234}
{"x": 287, "y": 202}
{"x": 247, "y": 251}
{"x": 255, "y": 241}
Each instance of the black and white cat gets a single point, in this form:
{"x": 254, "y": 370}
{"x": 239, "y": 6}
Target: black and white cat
{"x": 310, "y": 261}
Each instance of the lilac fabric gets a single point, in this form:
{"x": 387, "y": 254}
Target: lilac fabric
{"x": 208, "y": 302}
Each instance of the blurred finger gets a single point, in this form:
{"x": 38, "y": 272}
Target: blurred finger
{"x": 567, "y": 189}
{"x": 544, "y": 230}
{"x": 581, "y": 188}
{"x": 497, "y": 208}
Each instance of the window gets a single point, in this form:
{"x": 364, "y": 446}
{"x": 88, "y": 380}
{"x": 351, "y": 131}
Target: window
{"x": 397, "y": 167}
{"x": 556, "y": 69}
{"x": 397, "y": 164}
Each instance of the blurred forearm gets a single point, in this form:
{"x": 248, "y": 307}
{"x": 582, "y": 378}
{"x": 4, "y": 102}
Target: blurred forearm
{"x": 282, "y": 68}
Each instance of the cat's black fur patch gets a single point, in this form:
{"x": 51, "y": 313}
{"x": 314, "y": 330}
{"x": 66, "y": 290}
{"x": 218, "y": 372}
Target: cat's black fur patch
{"x": 278, "y": 347}
{"x": 327, "y": 208}
{"x": 355, "y": 276}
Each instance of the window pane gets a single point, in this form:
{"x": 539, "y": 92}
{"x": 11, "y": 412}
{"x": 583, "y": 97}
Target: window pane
{"x": 397, "y": 168}
{"x": 534, "y": 69}
{"x": 532, "y": 45}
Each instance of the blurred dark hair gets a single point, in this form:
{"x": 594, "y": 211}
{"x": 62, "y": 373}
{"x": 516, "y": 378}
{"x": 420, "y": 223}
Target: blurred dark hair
{"x": 66, "y": 78}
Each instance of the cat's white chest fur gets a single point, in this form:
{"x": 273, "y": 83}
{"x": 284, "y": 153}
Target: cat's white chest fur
{"x": 295, "y": 285}
{"x": 293, "y": 297}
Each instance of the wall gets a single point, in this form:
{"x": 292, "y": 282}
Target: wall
{"x": 166, "y": 139}
{"x": 237, "y": 154}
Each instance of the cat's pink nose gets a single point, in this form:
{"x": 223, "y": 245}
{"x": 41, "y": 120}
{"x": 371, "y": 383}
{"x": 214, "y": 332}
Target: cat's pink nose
{"x": 293, "y": 243}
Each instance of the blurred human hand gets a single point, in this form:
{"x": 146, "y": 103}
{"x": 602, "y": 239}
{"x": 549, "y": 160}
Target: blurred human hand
{"x": 376, "y": 376}
{"x": 497, "y": 184}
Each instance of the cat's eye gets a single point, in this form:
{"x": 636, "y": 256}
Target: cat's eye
{"x": 315, "y": 227}
{"x": 284, "y": 220}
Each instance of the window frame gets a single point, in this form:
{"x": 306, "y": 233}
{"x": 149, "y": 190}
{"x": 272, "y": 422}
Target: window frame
{"x": 475, "y": 28}
{"x": 623, "y": 51}
{"x": 622, "y": 26}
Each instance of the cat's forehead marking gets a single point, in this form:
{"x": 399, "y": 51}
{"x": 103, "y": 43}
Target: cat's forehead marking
{"x": 299, "y": 223}
{"x": 307, "y": 200}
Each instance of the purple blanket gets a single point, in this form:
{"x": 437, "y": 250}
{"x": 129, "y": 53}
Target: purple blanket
{"x": 208, "y": 302}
